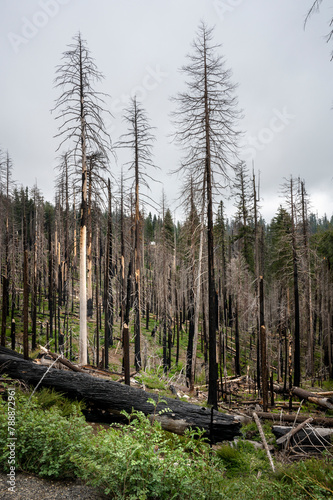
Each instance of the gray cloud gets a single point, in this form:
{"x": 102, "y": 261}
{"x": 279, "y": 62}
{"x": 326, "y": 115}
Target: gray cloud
{"x": 283, "y": 71}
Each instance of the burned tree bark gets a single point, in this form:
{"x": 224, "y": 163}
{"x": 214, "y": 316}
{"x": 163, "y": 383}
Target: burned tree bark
{"x": 25, "y": 291}
{"x": 108, "y": 297}
{"x": 263, "y": 347}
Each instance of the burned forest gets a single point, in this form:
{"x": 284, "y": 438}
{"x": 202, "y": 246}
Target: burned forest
{"x": 208, "y": 323}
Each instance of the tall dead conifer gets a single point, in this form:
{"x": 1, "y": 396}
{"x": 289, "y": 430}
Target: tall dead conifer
{"x": 80, "y": 110}
{"x": 205, "y": 121}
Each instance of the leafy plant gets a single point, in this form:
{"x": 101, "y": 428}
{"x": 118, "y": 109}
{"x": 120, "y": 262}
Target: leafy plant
{"x": 137, "y": 462}
{"x": 45, "y": 439}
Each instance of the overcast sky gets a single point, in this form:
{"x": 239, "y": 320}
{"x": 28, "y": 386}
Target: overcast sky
{"x": 284, "y": 74}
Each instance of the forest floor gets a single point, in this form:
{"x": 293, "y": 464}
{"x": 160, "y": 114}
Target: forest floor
{"x": 239, "y": 398}
{"x": 31, "y": 487}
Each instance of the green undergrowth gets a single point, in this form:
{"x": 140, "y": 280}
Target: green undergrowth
{"x": 152, "y": 380}
{"x": 157, "y": 380}
{"x": 242, "y": 459}
{"x": 141, "y": 461}
{"x": 48, "y": 430}
{"x": 250, "y": 431}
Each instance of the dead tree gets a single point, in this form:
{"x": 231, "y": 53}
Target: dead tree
{"x": 292, "y": 202}
{"x": 307, "y": 279}
{"x": 5, "y": 183}
{"x": 205, "y": 120}
{"x": 139, "y": 140}
{"x": 25, "y": 291}
{"x": 108, "y": 296}
{"x": 80, "y": 111}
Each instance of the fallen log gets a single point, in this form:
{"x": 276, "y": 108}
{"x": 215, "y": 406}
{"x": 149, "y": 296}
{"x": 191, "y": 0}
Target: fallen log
{"x": 323, "y": 393}
{"x": 317, "y": 398}
{"x": 307, "y": 440}
{"x": 313, "y": 398}
{"x": 5, "y": 350}
{"x": 285, "y": 417}
{"x": 286, "y": 437}
{"x": 63, "y": 361}
{"x": 107, "y": 395}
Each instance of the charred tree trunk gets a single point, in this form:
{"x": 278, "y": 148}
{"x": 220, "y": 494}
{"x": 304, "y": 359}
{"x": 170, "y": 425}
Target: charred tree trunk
{"x": 213, "y": 374}
{"x": 108, "y": 295}
{"x": 34, "y": 289}
{"x": 197, "y": 299}
{"x": 237, "y": 353}
{"x": 51, "y": 307}
{"x": 97, "y": 298}
{"x": 25, "y": 291}
{"x": 264, "y": 367}
{"x": 90, "y": 308}
{"x": 5, "y": 289}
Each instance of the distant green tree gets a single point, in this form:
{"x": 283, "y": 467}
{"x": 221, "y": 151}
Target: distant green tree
{"x": 325, "y": 245}
{"x": 169, "y": 230}
{"x": 279, "y": 246}
{"x": 243, "y": 219}
{"x": 149, "y": 228}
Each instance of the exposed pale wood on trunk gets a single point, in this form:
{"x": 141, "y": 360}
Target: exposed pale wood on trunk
{"x": 313, "y": 398}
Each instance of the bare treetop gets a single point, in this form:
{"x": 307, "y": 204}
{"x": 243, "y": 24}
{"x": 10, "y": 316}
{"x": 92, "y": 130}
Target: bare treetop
{"x": 208, "y": 81}
{"x": 139, "y": 139}
{"x": 78, "y": 100}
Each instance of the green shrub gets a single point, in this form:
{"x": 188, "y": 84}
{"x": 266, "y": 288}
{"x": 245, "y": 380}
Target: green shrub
{"x": 250, "y": 431}
{"x": 152, "y": 380}
{"x": 47, "y": 398}
{"x": 45, "y": 439}
{"x": 137, "y": 462}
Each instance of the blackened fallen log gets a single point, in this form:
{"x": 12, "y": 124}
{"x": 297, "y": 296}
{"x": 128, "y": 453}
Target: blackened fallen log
{"x": 113, "y": 397}
{"x": 308, "y": 440}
